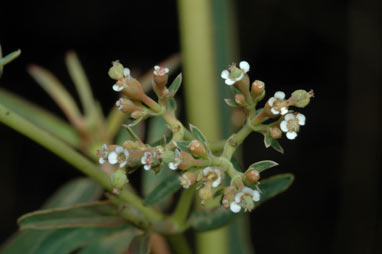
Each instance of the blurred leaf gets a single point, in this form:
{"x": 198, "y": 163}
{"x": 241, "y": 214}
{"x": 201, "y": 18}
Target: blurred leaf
{"x": 171, "y": 105}
{"x": 40, "y": 117}
{"x": 9, "y": 58}
{"x": 260, "y": 166}
{"x": 198, "y": 134}
{"x": 157, "y": 128}
{"x": 132, "y": 134}
{"x": 183, "y": 145}
{"x": 231, "y": 103}
{"x": 274, "y": 185}
{"x": 116, "y": 243}
{"x": 167, "y": 187}
{"x": 140, "y": 244}
{"x": 135, "y": 122}
{"x": 81, "y": 82}
{"x": 96, "y": 214}
{"x": 175, "y": 85}
{"x": 57, "y": 91}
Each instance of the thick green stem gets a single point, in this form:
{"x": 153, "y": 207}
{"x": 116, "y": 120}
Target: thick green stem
{"x": 235, "y": 141}
{"x": 183, "y": 206}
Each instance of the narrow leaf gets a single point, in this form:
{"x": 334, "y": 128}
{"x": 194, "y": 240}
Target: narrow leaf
{"x": 167, "y": 187}
{"x": 183, "y": 145}
{"x": 96, "y": 214}
{"x": 231, "y": 103}
{"x": 260, "y": 166}
{"x": 267, "y": 140}
{"x": 171, "y": 105}
{"x": 157, "y": 128}
{"x": 9, "y": 58}
{"x": 198, "y": 134}
{"x": 175, "y": 85}
{"x": 140, "y": 244}
{"x": 274, "y": 185}
{"x": 276, "y": 145}
{"x": 132, "y": 133}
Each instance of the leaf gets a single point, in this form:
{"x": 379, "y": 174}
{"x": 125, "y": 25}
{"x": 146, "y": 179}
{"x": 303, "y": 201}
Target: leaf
{"x": 175, "y": 85}
{"x": 135, "y": 122}
{"x": 167, "y": 187}
{"x": 183, "y": 145}
{"x": 96, "y": 214}
{"x": 9, "y": 58}
{"x": 198, "y": 134}
{"x": 274, "y": 185}
{"x": 132, "y": 133}
{"x": 157, "y": 128}
{"x": 231, "y": 103}
{"x": 260, "y": 166}
{"x": 276, "y": 145}
{"x": 140, "y": 244}
{"x": 267, "y": 140}
{"x": 40, "y": 117}
{"x": 116, "y": 243}
{"x": 171, "y": 105}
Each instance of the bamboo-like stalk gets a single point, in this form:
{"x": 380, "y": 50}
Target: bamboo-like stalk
{"x": 200, "y": 76}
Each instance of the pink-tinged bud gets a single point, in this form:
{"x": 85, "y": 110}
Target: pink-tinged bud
{"x": 258, "y": 90}
{"x": 126, "y": 105}
{"x": 229, "y": 196}
{"x": 132, "y": 89}
{"x": 275, "y": 133}
{"x": 160, "y": 78}
{"x": 239, "y": 99}
{"x": 205, "y": 193}
{"x": 197, "y": 149}
{"x": 138, "y": 114}
{"x": 252, "y": 176}
{"x": 187, "y": 161}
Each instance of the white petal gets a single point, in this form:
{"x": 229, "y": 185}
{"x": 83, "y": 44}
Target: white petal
{"x": 126, "y": 72}
{"x": 117, "y": 87}
{"x": 147, "y": 167}
{"x": 289, "y": 116}
{"x": 235, "y": 207}
{"x": 166, "y": 70}
{"x": 123, "y": 164}
{"x": 274, "y": 111}
{"x": 172, "y": 166}
{"x": 112, "y": 158}
{"x": 217, "y": 182}
{"x": 283, "y": 126}
{"x": 101, "y": 160}
{"x": 207, "y": 170}
{"x": 279, "y": 95}
{"x": 247, "y": 191}
{"x": 256, "y": 196}
{"x": 284, "y": 110}
{"x": 271, "y": 101}
{"x": 238, "y": 197}
{"x": 240, "y": 77}
{"x": 177, "y": 153}
{"x": 143, "y": 159}
{"x": 118, "y": 103}
{"x": 126, "y": 153}
{"x": 291, "y": 135}
{"x": 229, "y": 82}
{"x": 244, "y": 65}
{"x": 156, "y": 67}
{"x": 104, "y": 147}
{"x": 119, "y": 149}
{"x": 301, "y": 119}
{"x": 225, "y": 74}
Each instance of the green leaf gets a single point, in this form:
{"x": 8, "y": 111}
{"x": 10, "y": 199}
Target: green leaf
{"x": 96, "y": 214}
{"x": 171, "y": 105}
{"x": 140, "y": 244}
{"x": 198, "y": 134}
{"x": 157, "y": 128}
{"x": 183, "y": 145}
{"x": 132, "y": 133}
{"x": 167, "y": 187}
{"x": 116, "y": 243}
{"x": 205, "y": 220}
{"x": 274, "y": 185}
{"x": 9, "y": 58}
{"x": 135, "y": 122}
{"x": 276, "y": 145}
{"x": 174, "y": 87}
{"x": 267, "y": 140}
{"x": 40, "y": 117}
{"x": 260, "y": 166}
{"x": 231, "y": 103}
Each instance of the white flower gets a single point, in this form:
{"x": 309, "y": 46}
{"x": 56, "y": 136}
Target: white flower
{"x": 174, "y": 165}
{"x": 119, "y": 86}
{"x": 148, "y": 159}
{"x": 233, "y": 74}
{"x": 119, "y": 104}
{"x": 104, "y": 154}
{"x": 277, "y": 105}
{"x": 118, "y": 156}
{"x": 160, "y": 71}
{"x": 213, "y": 175}
{"x": 240, "y": 200}
{"x": 291, "y": 124}
{"x": 185, "y": 181}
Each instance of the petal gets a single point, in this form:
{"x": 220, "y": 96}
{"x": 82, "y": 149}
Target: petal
{"x": 147, "y": 167}
{"x": 244, "y": 65}
{"x": 143, "y": 159}
{"x": 279, "y": 95}
{"x": 166, "y": 70}
{"x": 123, "y": 164}
{"x": 207, "y": 170}
{"x": 271, "y": 101}
{"x": 247, "y": 190}
{"x": 291, "y": 135}
{"x": 283, "y": 126}
{"x": 126, "y": 153}
{"x": 301, "y": 119}
{"x": 235, "y": 207}
{"x": 274, "y": 111}
{"x": 101, "y": 160}
{"x": 126, "y": 72}
{"x": 225, "y": 74}
{"x": 113, "y": 157}
{"x": 238, "y": 197}
{"x": 172, "y": 166}
{"x": 104, "y": 147}
{"x": 156, "y": 67}
{"x": 217, "y": 182}
{"x": 117, "y": 87}
{"x": 256, "y": 195}
{"x": 229, "y": 82}
{"x": 289, "y": 116}
{"x": 119, "y": 149}
{"x": 284, "y": 110}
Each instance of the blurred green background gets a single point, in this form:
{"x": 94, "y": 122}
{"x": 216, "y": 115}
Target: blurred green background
{"x": 332, "y": 47}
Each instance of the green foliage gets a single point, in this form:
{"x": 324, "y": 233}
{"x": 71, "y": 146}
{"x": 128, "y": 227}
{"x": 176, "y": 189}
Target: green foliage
{"x": 270, "y": 142}
{"x": 260, "y": 166}
{"x": 167, "y": 187}
{"x": 175, "y": 85}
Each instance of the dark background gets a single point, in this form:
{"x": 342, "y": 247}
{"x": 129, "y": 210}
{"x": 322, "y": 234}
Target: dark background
{"x": 333, "y": 47}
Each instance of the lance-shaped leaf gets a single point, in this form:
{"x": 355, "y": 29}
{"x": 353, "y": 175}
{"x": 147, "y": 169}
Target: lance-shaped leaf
{"x": 40, "y": 117}
{"x": 183, "y": 145}
{"x": 198, "y": 134}
{"x": 211, "y": 219}
{"x": 260, "y": 166}
{"x": 175, "y": 85}
{"x": 140, "y": 244}
{"x": 96, "y": 214}
{"x": 268, "y": 141}
{"x": 8, "y": 58}
{"x": 231, "y": 103}
{"x": 167, "y": 187}
{"x": 116, "y": 243}
{"x": 171, "y": 105}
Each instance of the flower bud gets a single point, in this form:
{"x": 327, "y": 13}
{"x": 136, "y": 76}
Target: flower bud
{"x": 229, "y": 196}
{"x": 126, "y": 105}
{"x": 187, "y": 179}
{"x": 239, "y": 99}
{"x": 301, "y": 98}
{"x": 116, "y": 71}
{"x": 160, "y": 77}
{"x": 133, "y": 89}
{"x": 257, "y": 90}
{"x": 275, "y": 133}
{"x": 252, "y": 176}
{"x": 205, "y": 193}
{"x": 119, "y": 178}
{"x": 187, "y": 161}
{"x": 197, "y": 149}
{"x": 138, "y": 114}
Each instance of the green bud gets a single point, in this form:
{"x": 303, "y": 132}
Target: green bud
{"x": 247, "y": 203}
{"x": 116, "y": 71}
{"x": 301, "y": 98}
{"x": 168, "y": 156}
{"x": 119, "y": 178}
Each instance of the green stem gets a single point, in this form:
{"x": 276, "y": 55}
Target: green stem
{"x": 235, "y": 140}
{"x": 177, "y": 128}
{"x": 73, "y": 157}
{"x": 179, "y": 217}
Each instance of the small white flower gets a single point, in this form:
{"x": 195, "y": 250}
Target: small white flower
{"x": 185, "y": 181}
{"x": 160, "y": 71}
{"x": 126, "y": 72}
{"x": 233, "y": 74}
{"x": 118, "y": 87}
{"x": 291, "y": 124}
{"x": 239, "y": 200}
{"x": 118, "y": 156}
{"x": 276, "y": 103}
{"x": 174, "y": 164}
{"x": 148, "y": 159}
{"x": 104, "y": 154}
{"x": 213, "y": 175}
{"x": 118, "y": 103}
